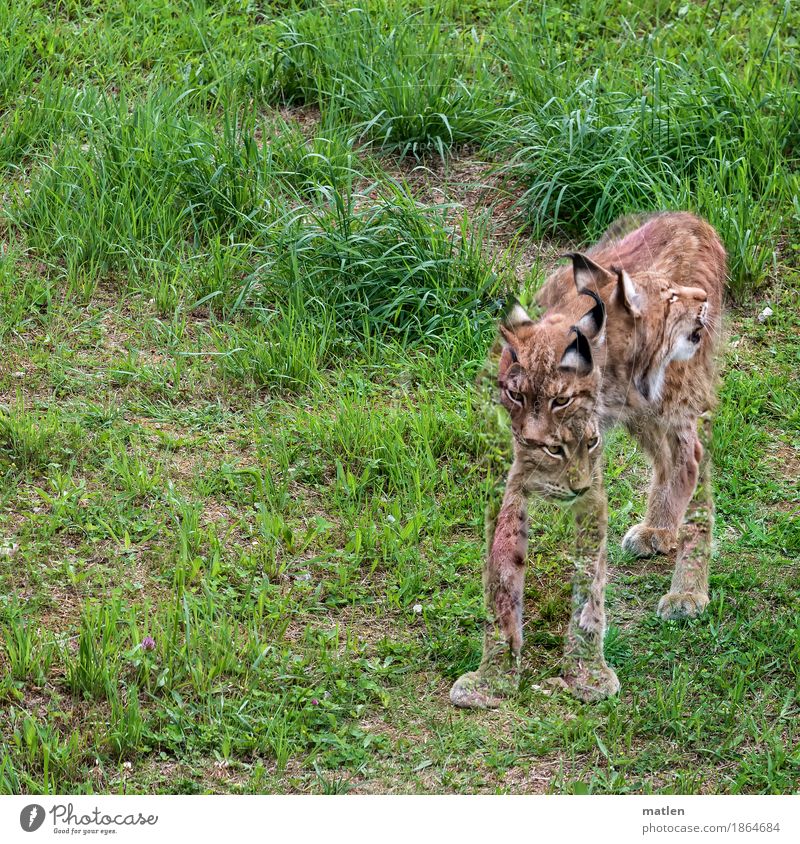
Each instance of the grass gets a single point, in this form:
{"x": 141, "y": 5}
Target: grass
{"x": 252, "y": 261}
{"x": 644, "y": 135}
{"x": 407, "y": 82}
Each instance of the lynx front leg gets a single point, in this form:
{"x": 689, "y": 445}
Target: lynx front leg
{"x": 675, "y": 468}
{"x": 688, "y": 594}
{"x": 585, "y": 669}
{"x": 503, "y": 580}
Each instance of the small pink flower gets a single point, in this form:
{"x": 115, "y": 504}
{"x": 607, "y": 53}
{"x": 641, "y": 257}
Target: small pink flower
{"x": 314, "y": 701}
{"x": 148, "y": 643}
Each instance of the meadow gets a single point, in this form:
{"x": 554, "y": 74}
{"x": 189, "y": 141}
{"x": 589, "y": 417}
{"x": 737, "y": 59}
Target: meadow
{"x": 251, "y": 264}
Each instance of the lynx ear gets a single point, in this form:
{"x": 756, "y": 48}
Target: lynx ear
{"x": 515, "y": 322}
{"x": 508, "y": 359}
{"x": 586, "y": 273}
{"x": 626, "y": 293}
{"x": 577, "y": 357}
{"x": 516, "y": 316}
{"x": 593, "y": 322}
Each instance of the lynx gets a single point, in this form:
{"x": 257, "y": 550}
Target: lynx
{"x": 642, "y": 355}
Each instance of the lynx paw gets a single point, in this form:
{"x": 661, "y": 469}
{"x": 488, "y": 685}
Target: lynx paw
{"x": 592, "y": 682}
{"x": 682, "y": 605}
{"x": 474, "y": 690}
{"x": 644, "y": 541}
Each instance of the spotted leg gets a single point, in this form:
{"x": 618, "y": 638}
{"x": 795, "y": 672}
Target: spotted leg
{"x": 688, "y": 594}
{"x": 497, "y": 676}
{"x": 675, "y": 470}
{"x": 586, "y": 672}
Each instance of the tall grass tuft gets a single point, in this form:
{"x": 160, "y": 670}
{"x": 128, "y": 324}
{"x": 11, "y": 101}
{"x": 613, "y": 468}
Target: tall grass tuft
{"x": 671, "y": 131}
{"x": 40, "y": 119}
{"x": 410, "y": 83}
{"x": 93, "y": 671}
{"x": 383, "y": 266}
{"x": 148, "y": 181}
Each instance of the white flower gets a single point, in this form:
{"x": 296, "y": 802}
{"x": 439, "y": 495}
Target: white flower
{"x": 8, "y": 548}
{"x": 417, "y": 608}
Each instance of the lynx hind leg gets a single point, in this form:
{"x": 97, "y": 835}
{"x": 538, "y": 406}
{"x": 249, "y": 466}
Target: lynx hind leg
{"x": 497, "y": 676}
{"x": 688, "y": 594}
{"x": 586, "y": 672}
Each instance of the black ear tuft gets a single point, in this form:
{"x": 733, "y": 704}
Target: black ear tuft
{"x": 581, "y": 263}
{"x": 586, "y": 273}
{"x": 593, "y": 321}
{"x": 577, "y": 356}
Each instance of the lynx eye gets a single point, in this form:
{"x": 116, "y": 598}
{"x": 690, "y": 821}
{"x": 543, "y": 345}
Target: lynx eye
{"x": 517, "y": 398}
{"x": 560, "y": 401}
{"x": 592, "y": 444}
{"x": 553, "y": 450}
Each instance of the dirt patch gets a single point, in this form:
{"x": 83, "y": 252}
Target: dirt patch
{"x": 467, "y": 183}
{"x": 307, "y": 117}
{"x": 784, "y": 460}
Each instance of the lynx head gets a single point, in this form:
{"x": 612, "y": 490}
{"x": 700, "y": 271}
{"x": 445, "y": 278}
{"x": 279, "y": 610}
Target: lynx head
{"x": 665, "y": 321}
{"x": 650, "y": 301}
{"x": 549, "y": 383}
{"x": 682, "y": 311}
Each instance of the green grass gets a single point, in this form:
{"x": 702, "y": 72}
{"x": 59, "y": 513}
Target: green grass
{"x": 246, "y": 285}
{"x": 645, "y": 133}
{"x": 409, "y": 82}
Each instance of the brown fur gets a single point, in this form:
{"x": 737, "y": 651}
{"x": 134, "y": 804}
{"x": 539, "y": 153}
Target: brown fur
{"x": 669, "y": 251}
{"x": 629, "y": 336}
